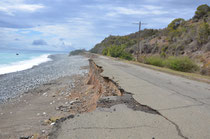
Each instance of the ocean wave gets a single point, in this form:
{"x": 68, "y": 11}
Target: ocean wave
{"x": 23, "y": 65}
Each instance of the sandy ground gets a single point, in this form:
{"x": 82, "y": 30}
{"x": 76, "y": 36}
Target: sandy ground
{"x": 34, "y": 113}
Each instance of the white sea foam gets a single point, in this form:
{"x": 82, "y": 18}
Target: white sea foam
{"x": 23, "y": 65}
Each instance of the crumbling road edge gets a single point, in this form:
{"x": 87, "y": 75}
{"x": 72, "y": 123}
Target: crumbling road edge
{"x": 122, "y": 97}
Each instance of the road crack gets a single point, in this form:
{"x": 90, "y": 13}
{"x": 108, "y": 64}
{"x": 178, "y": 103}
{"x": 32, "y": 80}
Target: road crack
{"x": 176, "y": 126}
{"x": 127, "y": 99}
{"x": 130, "y": 102}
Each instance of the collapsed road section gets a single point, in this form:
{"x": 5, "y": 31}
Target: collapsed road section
{"x": 104, "y": 93}
{"x": 125, "y": 97}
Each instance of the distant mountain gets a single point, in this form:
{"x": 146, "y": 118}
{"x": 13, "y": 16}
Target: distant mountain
{"x": 180, "y": 37}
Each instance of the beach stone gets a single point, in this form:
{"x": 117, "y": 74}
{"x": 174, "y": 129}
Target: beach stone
{"x": 15, "y": 84}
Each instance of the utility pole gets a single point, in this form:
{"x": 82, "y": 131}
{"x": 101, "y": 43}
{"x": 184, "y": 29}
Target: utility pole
{"x": 139, "y": 38}
{"x": 139, "y": 47}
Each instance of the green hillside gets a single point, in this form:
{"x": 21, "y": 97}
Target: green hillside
{"x": 180, "y": 38}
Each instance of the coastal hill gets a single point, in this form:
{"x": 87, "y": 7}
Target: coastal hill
{"x": 189, "y": 38}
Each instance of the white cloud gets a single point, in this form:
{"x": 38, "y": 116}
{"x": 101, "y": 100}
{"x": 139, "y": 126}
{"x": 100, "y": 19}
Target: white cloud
{"x": 129, "y": 11}
{"x": 26, "y": 7}
{"x": 10, "y": 7}
{"x": 152, "y": 7}
{"x": 77, "y": 34}
{"x": 133, "y": 10}
{"x": 80, "y": 24}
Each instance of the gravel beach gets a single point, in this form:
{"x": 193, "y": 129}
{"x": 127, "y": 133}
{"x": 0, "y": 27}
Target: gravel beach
{"x": 40, "y": 96}
{"x": 15, "y": 84}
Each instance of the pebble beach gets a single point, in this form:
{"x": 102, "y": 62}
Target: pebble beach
{"x": 14, "y": 84}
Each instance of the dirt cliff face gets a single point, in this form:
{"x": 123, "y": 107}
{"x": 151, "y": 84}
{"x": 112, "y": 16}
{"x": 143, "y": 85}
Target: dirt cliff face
{"x": 103, "y": 86}
{"x": 86, "y": 95}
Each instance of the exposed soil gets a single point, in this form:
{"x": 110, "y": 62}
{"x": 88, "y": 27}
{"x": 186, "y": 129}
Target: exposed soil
{"x": 40, "y": 113}
{"x": 87, "y": 95}
{"x": 110, "y": 94}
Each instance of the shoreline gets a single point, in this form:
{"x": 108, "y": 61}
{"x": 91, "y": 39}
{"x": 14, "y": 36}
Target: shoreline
{"x": 14, "y": 84}
{"x": 24, "y": 64}
{"x": 34, "y": 112}
{"x": 40, "y": 111}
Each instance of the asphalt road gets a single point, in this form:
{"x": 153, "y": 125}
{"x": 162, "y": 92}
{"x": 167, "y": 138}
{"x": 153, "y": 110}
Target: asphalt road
{"x": 183, "y": 106}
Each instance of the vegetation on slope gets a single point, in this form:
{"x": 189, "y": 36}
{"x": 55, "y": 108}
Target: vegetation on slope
{"x": 183, "y": 63}
{"x": 180, "y": 38}
{"x": 77, "y": 52}
{"x": 117, "y": 51}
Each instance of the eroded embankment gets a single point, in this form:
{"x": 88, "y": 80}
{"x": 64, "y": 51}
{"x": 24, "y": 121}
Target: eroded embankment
{"x": 125, "y": 98}
{"x": 86, "y": 95}
{"x": 104, "y": 86}
{"x": 100, "y": 91}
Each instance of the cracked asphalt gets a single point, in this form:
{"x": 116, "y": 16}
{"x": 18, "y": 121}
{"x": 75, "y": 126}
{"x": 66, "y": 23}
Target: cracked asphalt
{"x": 183, "y": 107}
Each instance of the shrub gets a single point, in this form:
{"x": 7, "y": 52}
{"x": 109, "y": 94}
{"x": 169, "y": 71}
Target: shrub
{"x": 117, "y": 51}
{"x": 203, "y": 33}
{"x": 77, "y": 52}
{"x": 105, "y": 51}
{"x": 126, "y": 55}
{"x": 163, "y": 54}
{"x": 163, "y": 51}
{"x": 201, "y": 11}
{"x": 176, "y": 28}
{"x": 175, "y": 23}
{"x": 154, "y": 60}
{"x": 184, "y": 64}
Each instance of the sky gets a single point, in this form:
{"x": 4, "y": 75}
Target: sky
{"x": 64, "y": 25}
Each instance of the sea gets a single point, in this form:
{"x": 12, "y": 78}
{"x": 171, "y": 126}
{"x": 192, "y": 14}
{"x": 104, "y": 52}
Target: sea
{"x": 17, "y": 60}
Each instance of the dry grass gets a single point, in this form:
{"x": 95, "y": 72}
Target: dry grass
{"x": 192, "y": 76}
